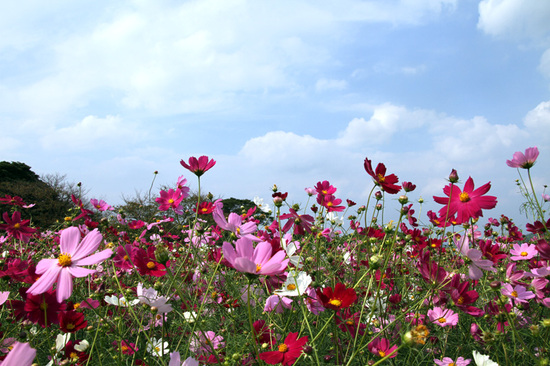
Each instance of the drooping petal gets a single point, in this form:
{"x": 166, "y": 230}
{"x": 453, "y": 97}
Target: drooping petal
{"x": 64, "y": 285}
{"x": 46, "y": 281}
{"x": 22, "y": 354}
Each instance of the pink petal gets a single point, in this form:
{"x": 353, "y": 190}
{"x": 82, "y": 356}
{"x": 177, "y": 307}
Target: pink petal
{"x": 245, "y": 265}
{"x": 64, "y": 285}
{"x": 80, "y": 272}
{"x": 22, "y": 354}
{"x": 46, "y": 281}
{"x": 94, "y": 258}
{"x": 68, "y": 242}
{"x": 262, "y": 253}
{"x": 46, "y": 264}
{"x": 89, "y": 244}
{"x": 229, "y": 253}
{"x": 244, "y": 248}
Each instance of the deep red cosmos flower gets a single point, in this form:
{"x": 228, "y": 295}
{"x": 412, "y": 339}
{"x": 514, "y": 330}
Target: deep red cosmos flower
{"x": 387, "y": 182}
{"x": 205, "y": 208}
{"x": 467, "y": 203}
{"x": 287, "y": 352}
{"x": 16, "y": 227}
{"x": 198, "y": 166}
{"x": 339, "y": 298}
{"x": 71, "y": 321}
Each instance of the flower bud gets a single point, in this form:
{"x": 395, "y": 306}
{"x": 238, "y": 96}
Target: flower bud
{"x": 403, "y": 199}
{"x": 453, "y": 177}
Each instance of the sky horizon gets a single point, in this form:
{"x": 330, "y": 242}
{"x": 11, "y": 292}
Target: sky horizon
{"x": 287, "y": 93}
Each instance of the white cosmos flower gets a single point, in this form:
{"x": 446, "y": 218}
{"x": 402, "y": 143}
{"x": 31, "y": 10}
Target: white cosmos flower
{"x": 190, "y": 316}
{"x": 290, "y": 249}
{"x": 264, "y": 207}
{"x": 334, "y": 219}
{"x": 483, "y": 360}
{"x": 82, "y": 346}
{"x": 113, "y": 300}
{"x": 150, "y": 297}
{"x": 157, "y": 348}
{"x": 295, "y": 285}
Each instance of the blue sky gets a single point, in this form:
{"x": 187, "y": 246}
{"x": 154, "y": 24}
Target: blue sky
{"x": 286, "y": 92}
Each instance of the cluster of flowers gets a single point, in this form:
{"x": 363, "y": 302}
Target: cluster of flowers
{"x": 380, "y": 290}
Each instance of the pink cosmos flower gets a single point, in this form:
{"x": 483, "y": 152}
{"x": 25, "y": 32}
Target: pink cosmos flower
{"x": 443, "y": 317}
{"x": 257, "y": 260}
{"x": 312, "y": 301}
{"x": 446, "y": 361}
{"x": 22, "y": 354}
{"x": 523, "y": 252}
{"x": 381, "y": 347}
{"x": 175, "y": 360}
{"x": 546, "y": 197}
{"x": 478, "y": 264}
{"x": 101, "y": 205}
{"x": 171, "y": 199}
{"x": 206, "y": 342}
{"x": 277, "y": 303}
{"x": 524, "y": 161}
{"x": 74, "y": 254}
{"x": 198, "y": 166}
{"x": 234, "y": 223}
{"x": 518, "y": 293}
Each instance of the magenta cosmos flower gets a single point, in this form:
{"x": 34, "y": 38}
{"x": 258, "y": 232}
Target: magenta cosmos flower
{"x": 524, "y": 161}
{"x": 523, "y": 252}
{"x": 443, "y": 317}
{"x": 74, "y": 254}
{"x": 467, "y": 203}
{"x": 257, "y": 260}
{"x": 198, "y": 166}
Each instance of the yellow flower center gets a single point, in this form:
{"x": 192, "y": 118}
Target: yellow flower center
{"x": 64, "y": 260}
{"x": 151, "y": 265}
{"x": 349, "y": 322}
{"x": 283, "y": 348}
{"x": 124, "y": 348}
{"x": 335, "y": 302}
{"x": 73, "y": 355}
{"x": 126, "y": 257}
{"x": 76, "y": 305}
{"x": 460, "y": 300}
{"x": 204, "y": 210}
{"x": 381, "y": 178}
{"x": 170, "y": 201}
{"x": 382, "y": 353}
{"x": 70, "y": 326}
{"x": 442, "y": 320}
{"x": 291, "y": 287}
{"x": 324, "y": 191}
{"x": 329, "y": 204}
{"x": 514, "y": 294}
{"x": 451, "y": 364}
{"x": 258, "y": 267}
{"x": 17, "y": 226}
{"x": 524, "y": 254}
{"x": 464, "y": 197}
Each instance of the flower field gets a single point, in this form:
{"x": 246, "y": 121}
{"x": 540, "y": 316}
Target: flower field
{"x": 329, "y": 283}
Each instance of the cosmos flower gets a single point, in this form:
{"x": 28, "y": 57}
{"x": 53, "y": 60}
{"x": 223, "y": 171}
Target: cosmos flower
{"x": 198, "y": 166}
{"x": 518, "y": 293}
{"x": 381, "y": 347}
{"x": 287, "y": 352}
{"x": 478, "y": 264}
{"x": 387, "y": 182}
{"x": 443, "y": 317}
{"x": 175, "y": 360}
{"x": 483, "y": 360}
{"x": 16, "y": 227}
{"x": 22, "y": 354}
{"x": 446, "y": 361}
{"x": 339, "y": 298}
{"x": 296, "y": 284}
{"x": 157, "y": 347}
{"x": 524, "y": 161}
{"x": 466, "y": 204}
{"x": 523, "y": 252}
{"x": 245, "y": 258}
{"x": 74, "y": 254}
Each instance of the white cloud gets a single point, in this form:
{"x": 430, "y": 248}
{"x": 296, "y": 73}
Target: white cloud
{"x": 515, "y": 19}
{"x": 91, "y": 132}
{"x": 330, "y": 84}
{"x": 538, "y": 121}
